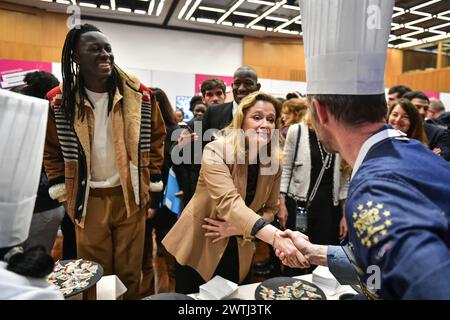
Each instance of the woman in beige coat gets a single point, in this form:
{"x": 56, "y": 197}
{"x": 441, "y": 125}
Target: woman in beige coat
{"x": 239, "y": 184}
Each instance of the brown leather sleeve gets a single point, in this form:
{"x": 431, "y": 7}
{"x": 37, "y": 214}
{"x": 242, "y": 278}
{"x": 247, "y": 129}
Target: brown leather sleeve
{"x": 157, "y": 139}
{"x": 53, "y": 158}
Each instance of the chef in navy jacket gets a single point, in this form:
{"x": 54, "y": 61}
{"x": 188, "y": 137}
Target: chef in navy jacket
{"x": 398, "y": 203}
{"x": 398, "y": 214}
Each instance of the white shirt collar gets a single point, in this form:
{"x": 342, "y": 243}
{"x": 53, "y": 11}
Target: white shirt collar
{"x": 235, "y": 106}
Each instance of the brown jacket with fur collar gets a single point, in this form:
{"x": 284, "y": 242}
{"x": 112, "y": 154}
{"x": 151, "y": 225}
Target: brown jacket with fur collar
{"x": 138, "y": 134}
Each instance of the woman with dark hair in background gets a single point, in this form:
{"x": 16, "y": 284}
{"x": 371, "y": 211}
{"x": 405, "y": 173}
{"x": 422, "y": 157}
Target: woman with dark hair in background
{"x": 404, "y": 116}
{"x": 179, "y": 115}
{"x": 197, "y": 107}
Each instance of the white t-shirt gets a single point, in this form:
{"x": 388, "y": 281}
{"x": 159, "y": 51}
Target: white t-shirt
{"x": 104, "y": 172}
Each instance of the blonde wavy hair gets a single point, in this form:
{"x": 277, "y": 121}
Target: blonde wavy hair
{"x": 234, "y": 135}
{"x": 298, "y": 107}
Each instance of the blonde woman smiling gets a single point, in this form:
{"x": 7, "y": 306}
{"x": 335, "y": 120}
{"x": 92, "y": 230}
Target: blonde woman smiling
{"x": 237, "y": 193}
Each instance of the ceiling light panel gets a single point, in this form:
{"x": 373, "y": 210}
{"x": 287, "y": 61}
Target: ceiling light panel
{"x": 133, "y": 5}
{"x": 414, "y": 21}
{"x": 153, "y": 7}
{"x": 263, "y": 3}
{"x": 205, "y": 8}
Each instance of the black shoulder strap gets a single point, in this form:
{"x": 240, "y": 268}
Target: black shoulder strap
{"x": 295, "y": 154}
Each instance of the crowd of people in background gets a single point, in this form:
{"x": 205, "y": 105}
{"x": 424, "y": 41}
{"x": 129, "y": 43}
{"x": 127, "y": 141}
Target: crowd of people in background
{"x": 106, "y": 188}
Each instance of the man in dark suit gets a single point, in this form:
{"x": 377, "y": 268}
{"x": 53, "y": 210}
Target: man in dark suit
{"x": 213, "y": 91}
{"x": 219, "y": 116}
{"x": 216, "y": 117}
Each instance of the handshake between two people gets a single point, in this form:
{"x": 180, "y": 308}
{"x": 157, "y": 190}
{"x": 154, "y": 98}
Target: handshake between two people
{"x": 293, "y": 248}
{"x": 309, "y": 253}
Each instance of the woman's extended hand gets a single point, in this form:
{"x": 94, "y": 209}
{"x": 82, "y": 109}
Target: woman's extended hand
{"x": 219, "y": 229}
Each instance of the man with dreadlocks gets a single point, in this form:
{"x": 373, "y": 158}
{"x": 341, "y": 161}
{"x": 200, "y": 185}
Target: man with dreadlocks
{"x": 103, "y": 154}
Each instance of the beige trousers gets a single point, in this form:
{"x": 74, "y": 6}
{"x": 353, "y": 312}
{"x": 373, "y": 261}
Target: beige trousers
{"x": 112, "y": 239}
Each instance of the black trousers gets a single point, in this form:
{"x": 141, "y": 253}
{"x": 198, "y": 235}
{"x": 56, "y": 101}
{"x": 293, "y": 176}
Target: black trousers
{"x": 188, "y": 280}
{"x": 69, "y": 244}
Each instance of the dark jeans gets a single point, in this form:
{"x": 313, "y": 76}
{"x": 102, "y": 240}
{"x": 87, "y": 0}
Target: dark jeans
{"x": 69, "y": 250}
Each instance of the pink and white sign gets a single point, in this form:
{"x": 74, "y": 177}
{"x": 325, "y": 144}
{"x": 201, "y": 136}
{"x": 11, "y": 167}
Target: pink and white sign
{"x": 435, "y": 95}
{"x": 12, "y": 72}
{"x": 199, "y": 78}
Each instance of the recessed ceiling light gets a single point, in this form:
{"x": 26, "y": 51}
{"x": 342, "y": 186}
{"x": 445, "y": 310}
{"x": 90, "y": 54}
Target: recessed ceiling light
{"x": 226, "y": 14}
{"x": 87, "y": 4}
{"x": 425, "y": 4}
{"x": 266, "y": 13}
{"x": 284, "y": 25}
{"x": 245, "y": 14}
{"x": 288, "y": 31}
{"x": 160, "y": 7}
{"x": 205, "y": 8}
{"x": 440, "y": 26}
{"x": 414, "y": 42}
{"x": 206, "y": 20}
{"x": 123, "y": 9}
{"x": 258, "y": 27}
{"x": 183, "y": 10}
{"x": 193, "y": 8}
{"x": 276, "y": 19}
{"x": 265, "y": 3}
{"x": 286, "y": 6}
{"x": 151, "y": 6}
